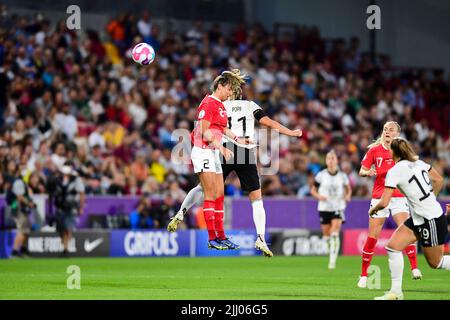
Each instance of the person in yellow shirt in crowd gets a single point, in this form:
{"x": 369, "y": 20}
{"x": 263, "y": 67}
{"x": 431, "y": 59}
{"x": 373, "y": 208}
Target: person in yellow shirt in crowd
{"x": 114, "y": 135}
{"x": 156, "y": 168}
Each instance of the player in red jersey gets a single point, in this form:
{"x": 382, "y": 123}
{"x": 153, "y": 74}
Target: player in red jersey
{"x": 380, "y": 156}
{"x": 207, "y": 140}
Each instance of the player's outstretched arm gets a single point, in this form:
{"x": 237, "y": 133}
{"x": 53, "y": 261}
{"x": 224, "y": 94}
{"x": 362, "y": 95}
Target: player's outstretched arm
{"x": 272, "y": 124}
{"x": 229, "y": 134}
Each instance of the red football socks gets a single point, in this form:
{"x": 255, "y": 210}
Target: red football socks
{"x": 208, "y": 212}
{"x": 367, "y": 254}
{"x": 411, "y": 252}
{"x": 218, "y": 218}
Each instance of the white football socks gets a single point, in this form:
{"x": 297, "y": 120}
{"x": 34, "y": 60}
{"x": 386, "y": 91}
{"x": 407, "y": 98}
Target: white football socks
{"x": 445, "y": 263}
{"x": 396, "y": 265}
{"x": 259, "y": 217}
{"x": 194, "y": 196}
{"x": 334, "y": 246}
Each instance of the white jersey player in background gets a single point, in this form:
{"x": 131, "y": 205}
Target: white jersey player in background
{"x": 332, "y": 189}
{"x": 242, "y": 115}
{"x": 420, "y": 183}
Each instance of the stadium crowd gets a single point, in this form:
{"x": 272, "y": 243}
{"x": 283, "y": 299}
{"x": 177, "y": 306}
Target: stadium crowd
{"x": 78, "y": 97}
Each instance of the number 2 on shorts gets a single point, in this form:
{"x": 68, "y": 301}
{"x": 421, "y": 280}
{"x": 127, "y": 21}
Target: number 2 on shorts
{"x": 206, "y": 164}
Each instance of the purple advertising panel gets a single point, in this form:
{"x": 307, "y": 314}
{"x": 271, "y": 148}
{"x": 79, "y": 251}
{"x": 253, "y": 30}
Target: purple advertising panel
{"x": 106, "y": 205}
{"x": 95, "y": 205}
{"x": 281, "y": 212}
{"x": 291, "y": 213}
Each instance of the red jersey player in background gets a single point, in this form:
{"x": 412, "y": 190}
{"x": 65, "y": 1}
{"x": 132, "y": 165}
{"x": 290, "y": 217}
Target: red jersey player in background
{"x": 207, "y": 140}
{"x": 380, "y": 156}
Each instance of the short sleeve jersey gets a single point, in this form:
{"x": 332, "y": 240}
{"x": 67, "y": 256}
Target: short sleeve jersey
{"x": 412, "y": 178}
{"x": 381, "y": 158}
{"x": 212, "y": 110}
{"x": 332, "y": 187}
{"x": 241, "y": 118}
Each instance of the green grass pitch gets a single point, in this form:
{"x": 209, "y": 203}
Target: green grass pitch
{"x": 228, "y": 278}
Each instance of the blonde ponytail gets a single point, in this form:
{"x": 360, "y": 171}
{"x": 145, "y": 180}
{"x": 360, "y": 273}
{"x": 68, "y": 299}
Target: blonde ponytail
{"x": 233, "y": 77}
{"x": 376, "y": 142}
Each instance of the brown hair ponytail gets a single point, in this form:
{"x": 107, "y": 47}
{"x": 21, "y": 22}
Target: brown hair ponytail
{"x": 403, "y": 150}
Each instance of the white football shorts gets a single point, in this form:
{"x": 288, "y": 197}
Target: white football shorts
{"x": 396, "y": 205}
{"x": 206, "y": 160}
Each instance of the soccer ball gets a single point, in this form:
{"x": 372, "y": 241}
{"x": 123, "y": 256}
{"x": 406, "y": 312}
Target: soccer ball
{"x": 143, "y": 53}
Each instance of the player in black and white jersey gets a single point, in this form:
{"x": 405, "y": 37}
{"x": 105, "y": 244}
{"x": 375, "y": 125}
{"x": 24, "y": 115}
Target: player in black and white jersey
{"x": 332, "y": 189}
{"x": 242, "y": 115}
{"x": 420, "y": 183}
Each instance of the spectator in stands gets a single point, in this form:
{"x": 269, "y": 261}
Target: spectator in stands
{"x": 68, "y": 192}
{"x": 156, "y": 168}
{"x": 59, "y": 155}
{"x": 140, "y": 168}
{"x": 117, "y": 185}
{"x": 167, "y": 209}
{"x": 66, "y": 122}
{"x": 37, "y": 183}
{"x": 143, "y": 217}
{"x": 133, "y": 188}
{"x": 11, "y": 171}
{"x": 20, "y": 205}
{"x": 144, "y": 25}
{"x": 151, "y": 186}
{"x": 177, "y": 193}
{"x": 116, "y": 29}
